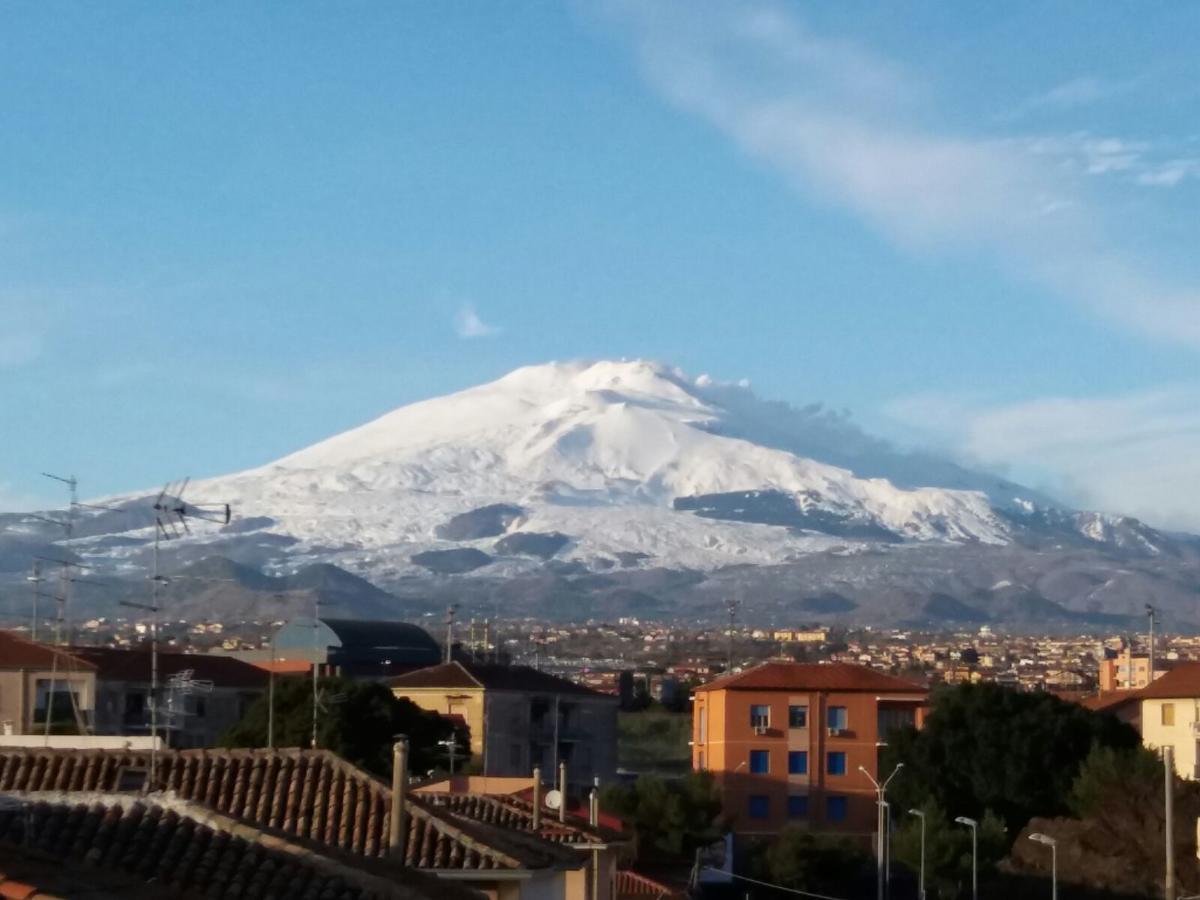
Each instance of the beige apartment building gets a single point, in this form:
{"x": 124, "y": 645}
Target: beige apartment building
{"x": 1170, "y": 717}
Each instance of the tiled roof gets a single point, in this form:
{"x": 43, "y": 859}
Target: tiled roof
{"x": 813, "y": 677}
{"x": 314, "y": 796}
{"x": 17, "y": 652}
{"x": 187, "y": 848}
{"x": 493, "y": 677}
{"x": 630, "y": 884}
{"x": 1181, "y": 682}
{"x": 514, "y": 814}
{"x": 1106, "y": 701}
{"x": 116, "y": 664}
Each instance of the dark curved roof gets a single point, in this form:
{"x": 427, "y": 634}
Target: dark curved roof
{"x": 365, "y": 634}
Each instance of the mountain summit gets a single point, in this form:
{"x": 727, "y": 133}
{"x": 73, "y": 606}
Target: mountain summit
{"x": 595, "y": 461}
{"x": 636, "y": 487}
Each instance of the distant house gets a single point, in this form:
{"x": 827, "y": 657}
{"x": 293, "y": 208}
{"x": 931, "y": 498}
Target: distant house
{"x": 37, "y": 680}
{"x": 785, "y": 742}
{"x": 106, "y": 691}
{"x": 520, "y": 718}
{"x": 1170, "y": 716}
{"x": 201, "y": 694}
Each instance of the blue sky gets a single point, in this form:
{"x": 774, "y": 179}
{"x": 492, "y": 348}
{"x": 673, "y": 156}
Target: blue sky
{"x": 229, "y": 230}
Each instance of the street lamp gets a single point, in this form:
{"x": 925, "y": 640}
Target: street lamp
{"x": 880, "y": 799}
{"x": 1053, "y": 845}
{"x": 974, "y": 826}
{"x": 920, "y": 814}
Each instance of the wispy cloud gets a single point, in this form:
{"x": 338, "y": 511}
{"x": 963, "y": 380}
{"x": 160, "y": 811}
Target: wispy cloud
{"x": 846, "y": 126}
{"x": 1083, "y": 90}
{"x": 468, "y": 324}
{"x": 1136, "y": 453}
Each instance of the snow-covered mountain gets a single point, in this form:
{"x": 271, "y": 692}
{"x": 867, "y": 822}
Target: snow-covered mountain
{"x": 607, "y": 463}
{"x": 612, "y": 488}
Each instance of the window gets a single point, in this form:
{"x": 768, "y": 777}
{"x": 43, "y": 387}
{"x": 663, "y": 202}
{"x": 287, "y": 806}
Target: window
{"x": 835, "y": 763}
{"x": 201, "y": 708}
{"x": 703, "y": 716}
{"x": 1168, "y": 713}
{"x": 760, "y": 762}
{"x": 760, "y": 716}
{"x": 838, "y": 718}
{"x": 797, "y": 717}
{"x": 798, "y": 806}
{"x": 797, "y": 762}
{"x": 835, "y": 808}
{"x": 759, "y": 806}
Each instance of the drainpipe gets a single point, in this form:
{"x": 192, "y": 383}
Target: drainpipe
{"x": 562, "y": 792}
{"x": 398, "y": 824}
{"x": 537, "y": 798}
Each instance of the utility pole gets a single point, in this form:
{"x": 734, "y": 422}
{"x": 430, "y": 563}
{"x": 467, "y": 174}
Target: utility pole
{"x": 450, "y": 611}
{"x": 35, "y": 578}
{"x": 731, "y": 607}
{"x": 1169, "y": 823}
{"x": 1151, "y": 614}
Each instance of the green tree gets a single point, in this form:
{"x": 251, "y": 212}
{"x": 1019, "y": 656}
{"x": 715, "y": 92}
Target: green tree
{"x": 987, "y": 747}
{"x": 669, "y": 818}
{"x": 800, "y": 859}
{"x": 359, "y": 721}
{"x": 948, "y": 849}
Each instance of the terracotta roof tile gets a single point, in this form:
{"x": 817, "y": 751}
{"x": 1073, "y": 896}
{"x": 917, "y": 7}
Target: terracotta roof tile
{"x": 17, "y": 652}
{"x": 459, "y": 674}
{"x": 813, "y": 677}
{"x": 313, "y": 796}
{"x": 1181, "y": 682}
{"x": 189, "y": 849}
{"x": 118, "y": 664}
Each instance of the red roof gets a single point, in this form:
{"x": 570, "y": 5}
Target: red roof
{"x": 1107, "y": 701}
{"x": 115, "y": 664}
{"x": 17, "y": 652}
{"x": 492, "y": 677}
{"x": 1183, "y": 681}
{"x": 787, "y": 676}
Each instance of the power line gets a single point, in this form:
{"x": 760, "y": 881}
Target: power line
{"x": 777, "y": 887}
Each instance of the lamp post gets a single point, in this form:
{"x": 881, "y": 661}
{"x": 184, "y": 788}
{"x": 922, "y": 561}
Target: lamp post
{"x": 880, "y": 800}
{"x": 920, "y": 814}
{"x": 974, "y": 826}
{"x": 1053, "y": 845}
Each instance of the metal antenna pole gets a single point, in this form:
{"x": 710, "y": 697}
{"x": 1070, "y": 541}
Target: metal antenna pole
{"x": 450, "y": 610}
{"x": 1150, "y": 613}
{"x": 732, "y": 607}
{"x": 35, "y": 578}
{"x": 316, "y": 665}
{"x": 271, "y": 699}
{"x": 155, "y": 580}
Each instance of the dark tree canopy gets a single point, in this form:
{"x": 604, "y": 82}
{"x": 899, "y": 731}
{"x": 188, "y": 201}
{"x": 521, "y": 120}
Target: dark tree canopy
{"x": 359, "y": 721}
{"x": 670, "y": 818}
{"x": 986, "y": 747}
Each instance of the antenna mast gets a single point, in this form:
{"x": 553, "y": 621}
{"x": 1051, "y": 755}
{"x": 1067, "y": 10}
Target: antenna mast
{"x": 450, "y": 611}
{"x": 731, "y": 607}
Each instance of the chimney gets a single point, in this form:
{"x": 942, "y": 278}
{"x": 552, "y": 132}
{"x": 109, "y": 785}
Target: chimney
{"x": 398, "y": 825}
{"x": 562, "y": 792}
{"x": 537, "y": 798}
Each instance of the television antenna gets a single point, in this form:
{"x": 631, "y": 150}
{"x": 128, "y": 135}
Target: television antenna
{"x": 180, "y": 686}
{"x": 171, "y": 514}
{"x": 732, "y": 605}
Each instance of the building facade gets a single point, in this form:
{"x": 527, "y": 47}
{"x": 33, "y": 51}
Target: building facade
{"x": 520, "y": 718}
{"x": 1170, "y": 717}
{"x": 788, "y": 742}
{"x": 39, "y": 680}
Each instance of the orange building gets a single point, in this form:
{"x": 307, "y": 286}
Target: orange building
{"x": 785, "y": 742}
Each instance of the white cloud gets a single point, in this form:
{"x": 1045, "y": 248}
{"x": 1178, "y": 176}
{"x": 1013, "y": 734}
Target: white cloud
{"x": 846, "y": 126}
{"x": 13, "y": 499}
{"x": 1135, "y": 453}
{"x": 468, "y": 324}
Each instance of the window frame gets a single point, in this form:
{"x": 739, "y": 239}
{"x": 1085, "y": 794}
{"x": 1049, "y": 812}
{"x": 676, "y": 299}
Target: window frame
{"x": 830, "y": 755}
{"x": 759, "y": 719}
{"x": 758, "y": 806}
{"x": 793, "y": 708}
{"x": 797, "y": 762}
{"x": 759, "y": 755}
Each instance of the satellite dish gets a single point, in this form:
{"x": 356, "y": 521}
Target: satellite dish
{"x": 553, "y": 799}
